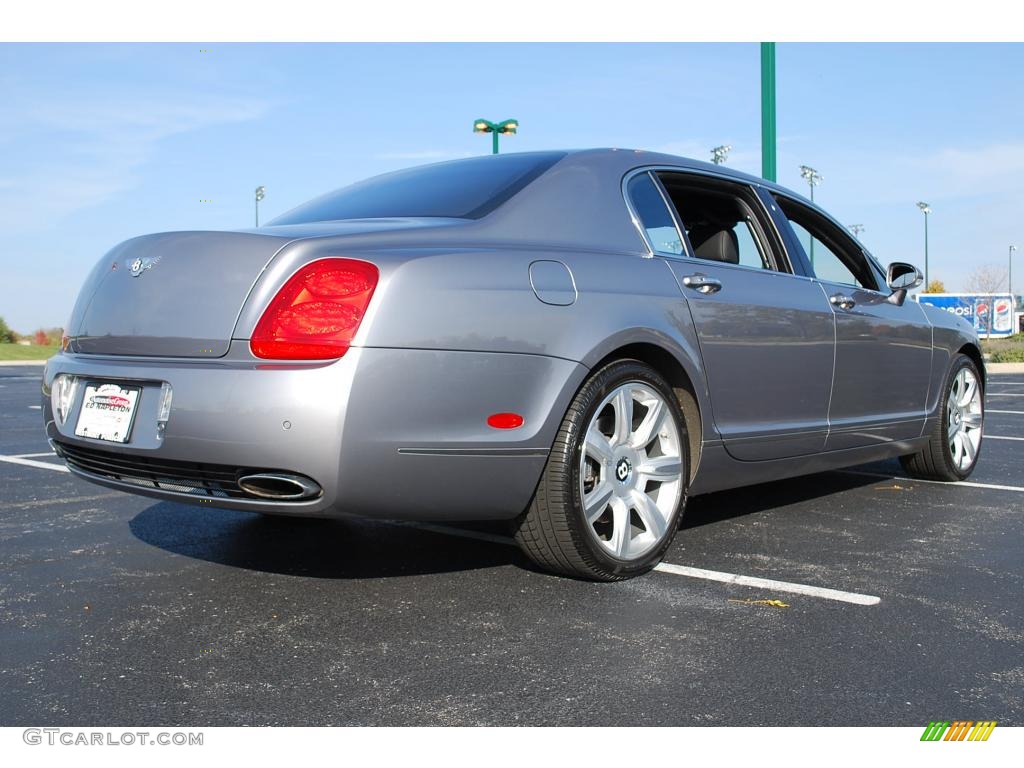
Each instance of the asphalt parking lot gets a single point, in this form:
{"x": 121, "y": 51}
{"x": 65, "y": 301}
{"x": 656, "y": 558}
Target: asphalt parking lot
{"x": 121, "y": 609}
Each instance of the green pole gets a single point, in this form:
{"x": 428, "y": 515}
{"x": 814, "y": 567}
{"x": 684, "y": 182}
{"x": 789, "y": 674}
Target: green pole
{"x": 768, "y": 166}
{"x": 494, "y": 141}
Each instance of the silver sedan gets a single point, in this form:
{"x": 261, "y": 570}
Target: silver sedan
{"x": 571, "y": 341}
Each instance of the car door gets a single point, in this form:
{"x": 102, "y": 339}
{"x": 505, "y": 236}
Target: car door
{"x": 883, "y": 349}
{"x": 766, "y": 335}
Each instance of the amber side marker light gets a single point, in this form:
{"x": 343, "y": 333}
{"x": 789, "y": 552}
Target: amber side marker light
{"x": 505, "y": 420}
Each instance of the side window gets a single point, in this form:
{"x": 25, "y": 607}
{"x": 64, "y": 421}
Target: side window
{"x": 719, "y": 220}
{"x": 834, "y": 257}
{"x": 654, "y": 215}
{"x": 750, "y": 254}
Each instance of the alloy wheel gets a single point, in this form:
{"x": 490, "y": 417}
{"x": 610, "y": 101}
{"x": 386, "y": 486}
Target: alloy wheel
{"x": 631, "y": 471}
{"x": 964, "y": 419}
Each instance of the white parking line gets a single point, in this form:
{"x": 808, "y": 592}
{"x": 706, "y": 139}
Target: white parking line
{"x": 1000, "y": 437}
{"x": 37, "y": 464}
{"x": 1005, "y": 394}
{"x": 993, "y": 410}
{"x": 35, "y": 407}
{"x": 678, "y": 570}
{"x": 777, "y": 586}
{"x": 965, "y": 483}
{"x": 49, "y": 453}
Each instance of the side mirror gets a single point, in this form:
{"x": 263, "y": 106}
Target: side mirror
{"x": 901, "y": 277}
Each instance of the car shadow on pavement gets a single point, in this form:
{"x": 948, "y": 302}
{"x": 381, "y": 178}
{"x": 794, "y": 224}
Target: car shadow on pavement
{"x": 316, "y": 548}
{"x": 725, "y": 505}
{"x": 367, "y": 549}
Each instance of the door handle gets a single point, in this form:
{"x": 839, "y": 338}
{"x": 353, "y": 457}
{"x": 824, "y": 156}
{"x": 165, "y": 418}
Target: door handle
{"x": 702, "y": 283}
{"x": 843, "y": 302}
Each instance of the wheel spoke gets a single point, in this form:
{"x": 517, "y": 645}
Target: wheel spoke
{"x": 597, "y": 446}
{"x": 621, "y": 531}
{"x": 596, "y": 502}
{"x": 649, "y": 513}
{"x": 957, "y": 448}
{"x": 972, "y": 420}
{"x": 623, "y": 405}
{"x": 969, "y": 450}
{"x": 661, "y": 468}
{"x": 650, "y": 425}
{"x": 970, "y": 386}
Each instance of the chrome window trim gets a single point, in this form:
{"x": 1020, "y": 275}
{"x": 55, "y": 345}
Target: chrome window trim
{"x": 687, "y": 254}
{"x": 635, "y": 217}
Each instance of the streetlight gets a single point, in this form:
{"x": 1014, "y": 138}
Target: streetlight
{"x": 813, "y": 179}
{"x": 926, "y": 210}
{"x": 719, "y": 153}
{"x": 495, "y": 129}
{"x": 261, "y": 192}
{"x": 856, "y": 229}
{"x": 1009, "y": 276}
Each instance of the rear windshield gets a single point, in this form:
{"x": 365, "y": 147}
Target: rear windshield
{"x": 463, "y": 189}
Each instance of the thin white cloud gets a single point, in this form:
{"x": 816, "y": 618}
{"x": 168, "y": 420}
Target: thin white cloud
{"x": 935, "y": 175}
{"x": 67, "y": 154}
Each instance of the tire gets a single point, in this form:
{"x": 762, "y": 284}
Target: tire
{"x": 608, "y": 509}
{"x": 952, "y": 453}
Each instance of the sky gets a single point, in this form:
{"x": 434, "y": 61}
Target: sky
{"x": 102, "y": 142}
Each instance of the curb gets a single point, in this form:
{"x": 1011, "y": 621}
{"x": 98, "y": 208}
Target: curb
{"x": 1004, "y": 367}
{"x": 5, "y": 363}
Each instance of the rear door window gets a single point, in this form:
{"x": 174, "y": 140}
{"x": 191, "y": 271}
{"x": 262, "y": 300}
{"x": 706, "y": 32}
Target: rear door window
{"x": 654, "y": 216}
{"x": 723, "y": 221}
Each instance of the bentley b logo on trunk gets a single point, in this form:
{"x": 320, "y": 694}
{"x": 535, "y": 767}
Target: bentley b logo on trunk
{"x": 140, "y": 265}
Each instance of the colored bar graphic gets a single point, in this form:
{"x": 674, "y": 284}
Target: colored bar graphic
{"x": 958, "y": 730}
{"x": 934, "y": 730}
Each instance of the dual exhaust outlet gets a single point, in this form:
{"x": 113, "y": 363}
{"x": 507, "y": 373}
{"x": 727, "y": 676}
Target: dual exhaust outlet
{"x": 279, "y": 486}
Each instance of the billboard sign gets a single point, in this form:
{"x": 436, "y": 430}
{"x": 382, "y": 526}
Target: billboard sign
{"x": 991, "y": 314}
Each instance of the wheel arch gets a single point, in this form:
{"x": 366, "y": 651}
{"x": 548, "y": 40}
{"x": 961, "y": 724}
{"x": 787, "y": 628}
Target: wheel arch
{"x": 974, "y": 353}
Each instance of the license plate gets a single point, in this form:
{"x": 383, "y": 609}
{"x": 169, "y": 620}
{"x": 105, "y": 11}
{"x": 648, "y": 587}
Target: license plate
{"x": 108, "y": 411}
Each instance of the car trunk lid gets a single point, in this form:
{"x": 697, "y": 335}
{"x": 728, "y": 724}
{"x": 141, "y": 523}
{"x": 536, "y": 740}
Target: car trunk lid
{"x": 174, "y": 294}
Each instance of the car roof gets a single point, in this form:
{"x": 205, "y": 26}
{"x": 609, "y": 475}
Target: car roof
{"x": 627, "y": 159}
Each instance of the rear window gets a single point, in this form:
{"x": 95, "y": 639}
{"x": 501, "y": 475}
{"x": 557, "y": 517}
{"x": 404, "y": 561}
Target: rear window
{"x": 463, "y": 189}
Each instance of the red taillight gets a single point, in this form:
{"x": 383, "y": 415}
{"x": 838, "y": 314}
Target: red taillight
{"x": 317, "y": 312}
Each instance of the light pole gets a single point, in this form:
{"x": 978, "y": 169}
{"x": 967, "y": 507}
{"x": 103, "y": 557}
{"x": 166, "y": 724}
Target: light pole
{"x": 261, "y": 192}
{"x": 926, "y": 210}
{"x": 813, "y": 179}
{"x": 856, "y": 229}
{"x": 768, "y": 138}
{"x": 719, "y": 153}
{"x": 495, "y": 129}
{"x": 1009, "y": 276}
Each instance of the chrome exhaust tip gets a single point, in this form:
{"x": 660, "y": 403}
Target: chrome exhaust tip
{"x": 278, "y": 486}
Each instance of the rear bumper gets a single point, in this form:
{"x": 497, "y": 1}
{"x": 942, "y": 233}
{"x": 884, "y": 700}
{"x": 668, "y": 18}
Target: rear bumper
{"x": 383, "y": 432}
